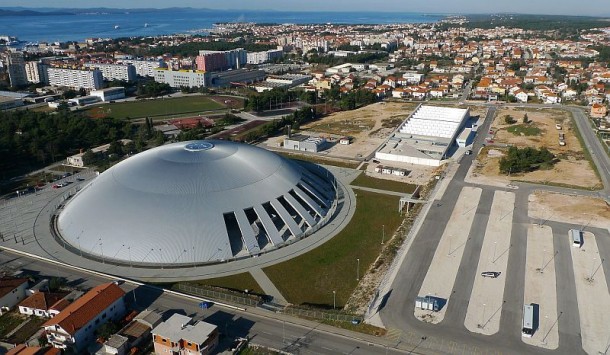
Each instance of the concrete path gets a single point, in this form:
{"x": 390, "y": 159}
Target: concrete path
{"x": 486, "y": 298}
{"x": 440, "y": 279}
{"x": 540, "y": 286}
{"x": 592, "y": 292}
{"x": 267, "y": 285}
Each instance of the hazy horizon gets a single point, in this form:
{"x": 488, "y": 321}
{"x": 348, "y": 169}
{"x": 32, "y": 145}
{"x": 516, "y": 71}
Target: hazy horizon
{"x": 540, "y": 7}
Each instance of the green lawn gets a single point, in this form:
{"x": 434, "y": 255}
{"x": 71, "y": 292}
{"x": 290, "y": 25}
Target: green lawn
{"x": 27, "y": 330}
{"x": 524, "y": 130}
{"x": 157, "y": 107}
{"x": 382, "y": 184}
{"x": 8, "y": 322}
{"x": 311, "y": 278}
{"x": 239, "y": 282}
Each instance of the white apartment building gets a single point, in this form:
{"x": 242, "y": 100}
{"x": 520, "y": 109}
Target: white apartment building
{"x": 126, "y": 72}
{"x": 144, "y": 67}
{"x": 264, "y": 57}
{"x": 76, "y": 78}
{"x": 180, "y": 78}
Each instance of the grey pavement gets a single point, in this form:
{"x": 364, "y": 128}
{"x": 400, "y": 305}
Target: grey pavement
{"x": 267, "y": 285}
{"x": 397, "y": 312}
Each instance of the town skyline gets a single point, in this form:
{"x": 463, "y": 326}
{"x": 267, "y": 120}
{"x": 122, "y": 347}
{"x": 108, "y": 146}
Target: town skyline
{"x": 547, "y": 7}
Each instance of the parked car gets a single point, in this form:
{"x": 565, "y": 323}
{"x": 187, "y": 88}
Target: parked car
{"x": 56, "y": 186}
{"x": 492, "y": 274}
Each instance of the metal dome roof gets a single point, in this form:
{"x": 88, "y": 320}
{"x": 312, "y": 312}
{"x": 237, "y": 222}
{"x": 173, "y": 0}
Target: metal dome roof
{"x": 196, "y": 202}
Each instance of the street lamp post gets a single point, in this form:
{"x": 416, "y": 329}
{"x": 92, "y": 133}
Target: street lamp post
{"x": 382, "y": 233}
{"x": 129, "y": 250}
{"x": 358, "y": 270}
{"x": 334, "y": 299}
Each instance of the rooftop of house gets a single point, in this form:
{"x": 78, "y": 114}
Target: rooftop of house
{"x": 84, "y": 309}
{"x": 46, "y": 301}
{"x": 179, "y": 327}
{"x": 8, "y": 284}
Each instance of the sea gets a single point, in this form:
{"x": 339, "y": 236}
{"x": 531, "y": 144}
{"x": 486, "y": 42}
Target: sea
{"x": 63, "y": 28}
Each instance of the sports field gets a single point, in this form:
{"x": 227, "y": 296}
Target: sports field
{"x": 155, "y": 108}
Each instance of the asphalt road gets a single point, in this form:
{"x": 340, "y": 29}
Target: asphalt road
{"x": 263, "y": 327}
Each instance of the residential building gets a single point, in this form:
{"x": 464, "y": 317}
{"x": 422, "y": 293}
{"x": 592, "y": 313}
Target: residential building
{"x": 16, "y": 69}
{"x": 44, "y": 304}
{"x": 36, "y": 72}
{"x": 144, "y": 67}
{"x": 12, "y": 291}
{"x": 124, "y": 72}
{"x": 179, "y": 335}
{"x": 264, "y": 57}
{"x": 23, "y": 349}
{"x": 75, "y": 326}
{"x": 180, "y": 78}
{"x": 76, "y": 78}
{"x": 221, "y": 60}
{"x": 109, "y": 94}
{"x": 598, "y": 110}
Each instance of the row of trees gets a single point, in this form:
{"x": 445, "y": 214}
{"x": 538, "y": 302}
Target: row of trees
{"x": 268, "y": 100}
{"x": 29, "y": 139}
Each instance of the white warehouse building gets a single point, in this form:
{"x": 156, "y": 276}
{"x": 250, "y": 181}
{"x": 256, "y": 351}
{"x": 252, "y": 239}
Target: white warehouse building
{"x": 425, "y": 137}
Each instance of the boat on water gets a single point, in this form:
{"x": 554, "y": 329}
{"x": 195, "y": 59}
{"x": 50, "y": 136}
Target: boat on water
{"x": 116, "y": 27}
{"x": 146, "y": 25}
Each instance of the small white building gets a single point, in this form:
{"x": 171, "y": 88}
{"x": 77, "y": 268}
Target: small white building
{"x": 109, "y": 94}
{"x": 12, "y": 291}
{"x": 85, "y": 100}
{"x": 305, "y": 143}
{"x": 44, "y": 304}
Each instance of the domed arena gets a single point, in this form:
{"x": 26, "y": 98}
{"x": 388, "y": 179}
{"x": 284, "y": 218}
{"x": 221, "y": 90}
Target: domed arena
{"x": 197, "y": 202}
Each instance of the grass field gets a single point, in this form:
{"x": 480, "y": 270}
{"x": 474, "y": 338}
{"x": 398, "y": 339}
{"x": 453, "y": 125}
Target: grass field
{"x": 157, "y": 107}
{"x": 382, "y": 184}
{"x": 524, "y": 130}
{"x": 239, "y": 282}
{"x": 312, "y": 277}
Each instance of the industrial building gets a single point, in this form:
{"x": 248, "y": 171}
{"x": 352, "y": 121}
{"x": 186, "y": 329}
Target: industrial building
{"x": 305, "y": 143}
{"x": 124, "y": 72}
{"x": 197, "y": 202}
{"x": 425, "y": 137}
{"x": 76, "y": 78}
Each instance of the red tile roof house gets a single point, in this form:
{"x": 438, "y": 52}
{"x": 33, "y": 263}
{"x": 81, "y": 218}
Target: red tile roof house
{"x": 44, "y": 304}
{"x": 12, "y": 291}
{"x": 75, "y": 326}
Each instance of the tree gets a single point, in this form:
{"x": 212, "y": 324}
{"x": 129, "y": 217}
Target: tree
{"x": 525, "y": 119}
{"x": 69, "y": 94}
{"x": 525, "y": 160}
{"x": 115, "y": 148}
{"x": 89, "y": 157}
{"x": 508, "y": 119}
{"x": 107, "y": 329}
{"x": 55, "y": 283}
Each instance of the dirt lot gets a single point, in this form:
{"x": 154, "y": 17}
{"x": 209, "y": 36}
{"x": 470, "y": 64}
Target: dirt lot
{"x": 559, "y": 207}
{"x": 572, "y": 169}
{"x": 369, "y": 126}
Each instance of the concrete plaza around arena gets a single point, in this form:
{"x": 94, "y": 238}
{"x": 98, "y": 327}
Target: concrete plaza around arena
{"x": 25, "y": 227}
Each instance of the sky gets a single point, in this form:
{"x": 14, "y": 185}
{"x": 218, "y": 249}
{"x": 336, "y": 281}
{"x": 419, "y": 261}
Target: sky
{"x": 550, "y": 7}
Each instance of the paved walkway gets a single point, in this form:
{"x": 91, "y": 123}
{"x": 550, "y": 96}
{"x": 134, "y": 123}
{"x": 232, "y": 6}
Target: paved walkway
{"x": 267, "y": 285}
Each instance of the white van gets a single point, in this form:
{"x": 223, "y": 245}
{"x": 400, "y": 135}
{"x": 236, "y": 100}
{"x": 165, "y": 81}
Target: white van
{"x": 576, "y": 237}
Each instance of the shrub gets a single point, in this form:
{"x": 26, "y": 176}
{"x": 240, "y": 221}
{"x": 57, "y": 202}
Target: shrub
{"x": 526, "y": 159}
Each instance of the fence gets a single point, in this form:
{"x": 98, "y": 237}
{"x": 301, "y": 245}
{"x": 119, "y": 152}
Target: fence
{"x": 226, "y": 296}
{"x": 322, "y": 315}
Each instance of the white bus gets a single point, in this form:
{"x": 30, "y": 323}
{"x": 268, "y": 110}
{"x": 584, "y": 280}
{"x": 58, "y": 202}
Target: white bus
{"x": 529, "y": 320}
{"x": 576, "y": 237}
